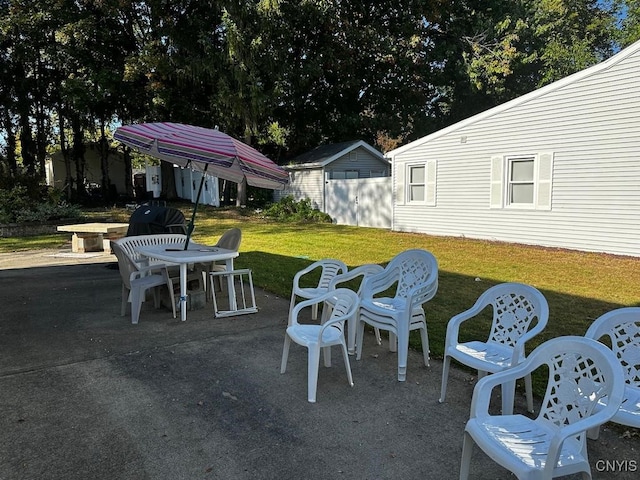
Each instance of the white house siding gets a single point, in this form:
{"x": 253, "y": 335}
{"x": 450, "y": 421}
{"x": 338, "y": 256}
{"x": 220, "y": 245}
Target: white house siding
{"x": 305, "y": 184}
{"x": 590, "y": 122}
{"x": 361, "y": 160}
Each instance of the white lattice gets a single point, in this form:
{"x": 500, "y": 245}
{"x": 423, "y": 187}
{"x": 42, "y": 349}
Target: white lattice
{"x": 626, "y": 345}
{"x": 574, "y": 388}
{"x": 414, "y": 271}
{"x": 512, "y": 315}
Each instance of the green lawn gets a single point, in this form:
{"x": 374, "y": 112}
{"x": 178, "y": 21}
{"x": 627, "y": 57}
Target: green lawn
{"x": 579, "y": 286}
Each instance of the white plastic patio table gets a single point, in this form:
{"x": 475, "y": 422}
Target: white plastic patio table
{"x": 194, "y": 254}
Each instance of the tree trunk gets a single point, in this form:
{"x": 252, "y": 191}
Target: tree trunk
{"x": 103, "y": 148}
{"x": 78, "y": 157}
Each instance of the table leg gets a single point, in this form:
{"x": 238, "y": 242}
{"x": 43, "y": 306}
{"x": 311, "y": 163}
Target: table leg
{"x": 183, "y": 291}
{"x": 230, "y": 286}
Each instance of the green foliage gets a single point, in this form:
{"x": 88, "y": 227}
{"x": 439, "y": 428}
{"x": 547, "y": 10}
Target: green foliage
{"x": 288, "y": 210}
{"x": 18, "y": 206}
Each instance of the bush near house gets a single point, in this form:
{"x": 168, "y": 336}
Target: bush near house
{"x": 288, "y": 210}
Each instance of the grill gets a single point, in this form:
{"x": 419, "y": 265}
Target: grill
{"x": 152, "y": 220}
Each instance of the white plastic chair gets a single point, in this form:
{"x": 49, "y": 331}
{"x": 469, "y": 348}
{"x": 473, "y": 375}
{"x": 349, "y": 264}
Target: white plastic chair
{"x": 316, "y": 337}
{"x": 363, "y": 271}
{"x": 329, "y": 268}
{"x": 622, "y": 329}
{"x": 515, "y": 307}
{"x": 136, "y": 280}
{"x": 415, "y": 276}
{"x": 581, "y": 371}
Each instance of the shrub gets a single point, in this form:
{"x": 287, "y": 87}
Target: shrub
{"x": 18, "y": 205}
{"x": 288, "y": 210}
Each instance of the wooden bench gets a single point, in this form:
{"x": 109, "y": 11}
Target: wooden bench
{"x": 92, "y": 237}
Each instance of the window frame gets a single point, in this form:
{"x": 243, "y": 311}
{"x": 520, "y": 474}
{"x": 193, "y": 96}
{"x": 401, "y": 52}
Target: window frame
{"x": 411, "y": 184}
{"x": 509, "y": 182}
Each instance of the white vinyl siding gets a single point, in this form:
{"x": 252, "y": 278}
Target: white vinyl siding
{"x": 305, "y": 184}
{"x": 584, "y": 133}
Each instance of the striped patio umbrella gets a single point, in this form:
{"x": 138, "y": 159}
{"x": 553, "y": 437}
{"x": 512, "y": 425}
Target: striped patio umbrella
{"x": 207, "y": 150}
{"x": 204, "y": 149}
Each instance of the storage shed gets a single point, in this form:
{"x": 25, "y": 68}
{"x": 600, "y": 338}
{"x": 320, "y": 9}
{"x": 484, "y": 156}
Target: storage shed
{"x": 558, "y": 167}
{"x": 309, "y": 172}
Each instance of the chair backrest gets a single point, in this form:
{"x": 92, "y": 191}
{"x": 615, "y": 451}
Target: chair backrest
{"x": 329, "y": 268}
{"x": 125, "y": 264}
{"x": 129, "y": 244}
{"x": 622, "y": 327}
{"x": 515, "y": 307}
{"x": 230, "y": 239}
{"x": 346, "y": 305}
{"x": 415, "y": 271}
{"x": 581, "y": 372}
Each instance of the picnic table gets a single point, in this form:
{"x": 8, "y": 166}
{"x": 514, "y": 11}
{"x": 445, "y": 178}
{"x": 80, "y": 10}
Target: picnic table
{"x": 90, "y": 237}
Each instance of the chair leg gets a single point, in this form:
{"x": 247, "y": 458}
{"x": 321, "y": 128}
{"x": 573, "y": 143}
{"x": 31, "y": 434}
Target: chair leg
{"x": 347, "y": 365}
{"x": 285, "y": 353}
{"x": 528, "y": 388}
{"x": 465, "y": 462}
{"x": 326, "y": 351}
{"x": 326, "y": 355}
{"x": 359, "y": 339}
{"x": 156, "y": 298}
{"x": 403, "y": 353}
{"x": 137, "y": 297}
{"x": 378, "y": 337}
{"x": 292, "y": 304}
{"x": 125, "y": 300}
{"x": 314, "y": 311}
{"x": 593, "y": 433}
{"x": 424, "y": 336}
{"x": 351, "y": 333}
{"x": 312, "y": 373}
{"x": 393, "y": 342}
{"x": 445, "y": 375}
{"x": 508, "y": 395}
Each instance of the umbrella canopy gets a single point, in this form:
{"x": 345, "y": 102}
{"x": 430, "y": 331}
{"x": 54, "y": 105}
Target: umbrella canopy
{"x": 203, "y": 149}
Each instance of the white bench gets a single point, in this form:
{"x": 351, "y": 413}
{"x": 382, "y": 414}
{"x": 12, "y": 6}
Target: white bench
{"x": 90, "y": 237}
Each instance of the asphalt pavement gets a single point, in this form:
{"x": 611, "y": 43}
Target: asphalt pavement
{"x": 84, "y": 394}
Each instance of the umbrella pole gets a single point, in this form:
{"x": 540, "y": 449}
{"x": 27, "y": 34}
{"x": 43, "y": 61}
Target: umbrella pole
{"x": 195, "y": 208}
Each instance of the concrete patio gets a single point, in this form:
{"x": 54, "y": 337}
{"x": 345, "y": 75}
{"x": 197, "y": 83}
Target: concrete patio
{"x": 84, "y": 394}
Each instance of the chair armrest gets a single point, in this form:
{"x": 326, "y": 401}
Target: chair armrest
{"x": 379, "y": 282}
{"x": 143, "y": 271}
{"x": 301, "y": 273}
{"x": 453, "y": 327}
{"x": 307, "y": 303}
{"x": 361, "y": 271}
{"x": 482, "y": 391}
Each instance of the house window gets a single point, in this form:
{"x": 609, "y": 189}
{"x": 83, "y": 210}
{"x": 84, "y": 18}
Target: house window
{"x": 520, "y": 181}
{"x": 417, "y": 185}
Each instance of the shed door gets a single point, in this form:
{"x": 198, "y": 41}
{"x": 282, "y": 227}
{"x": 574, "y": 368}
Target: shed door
{"x": 341, "y": 201}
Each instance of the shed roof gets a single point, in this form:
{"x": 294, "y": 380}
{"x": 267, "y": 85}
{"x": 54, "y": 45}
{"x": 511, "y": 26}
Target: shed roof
{"x": 325, "y": 154}
{"x": 606, "y": 64}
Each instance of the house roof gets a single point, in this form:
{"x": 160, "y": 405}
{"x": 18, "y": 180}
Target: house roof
{"x": 595, "y": 69}
{"x": 325, "y": 154}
